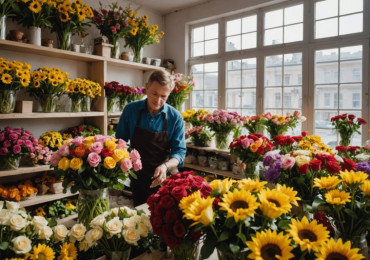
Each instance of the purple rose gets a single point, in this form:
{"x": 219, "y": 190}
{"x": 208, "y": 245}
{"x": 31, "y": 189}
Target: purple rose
{"x": 363, "y": 166}
{"x": 93, "y": 159}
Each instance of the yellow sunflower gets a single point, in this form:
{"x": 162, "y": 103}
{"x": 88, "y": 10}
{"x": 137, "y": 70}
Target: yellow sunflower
{"x": 42, "y": 251}
{"x": 290, "y": 192}
{"x": 252, "y": 185}
{"x": 274, "y": 203}
{"x": 68, "y": 251}
{"x": 338, "y": 250}
{"x": 6, "y": 78}
{"x": 198, "y": 209}
{"x": 337, "y": 197}
{"x": 365, "y": 187}
{"x": 270, "y": 245}
{"x": 35, "y": 6}
{"x": 327, "y": 183}
{"x": 309, "y": 236}
{"x": 352, "y": 177}
{"x": 239, "y": 204}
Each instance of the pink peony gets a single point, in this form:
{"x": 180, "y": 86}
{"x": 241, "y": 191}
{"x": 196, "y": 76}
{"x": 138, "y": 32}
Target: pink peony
{"x": 126, "y": 164}
{"x": 93, "y": 159}
{"x": 137, "y": 165}
{"x": 135, "y": 155}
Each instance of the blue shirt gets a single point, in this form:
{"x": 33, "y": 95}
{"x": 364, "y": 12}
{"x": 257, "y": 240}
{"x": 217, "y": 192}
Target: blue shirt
{"x": 175, "y": 126}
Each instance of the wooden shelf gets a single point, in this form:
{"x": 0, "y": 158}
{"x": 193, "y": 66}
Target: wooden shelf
{"x": 214, "y": 171}
{"x": 25, "y": 170}
{"x": 50, "y": 115}
{"x": 114, "y": 114}
{"x": 209, "y": 149}
{"x": 131, "y": 65}
{"x": 68, "y": 221}
{"x": 45, "y": 198}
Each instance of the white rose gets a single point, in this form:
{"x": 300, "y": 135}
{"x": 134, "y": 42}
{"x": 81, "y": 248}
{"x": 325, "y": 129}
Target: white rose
{"x": 302, "y": 152}
{"x": 77, "y": 233}
{"x": 114, "y": 211}
{"x": 98, "y": 221}
{"x": 12, "y": 206}
{"x": 93, "y": 235}
{"x": 60, "y": 232}
{"x": 361, "y": 157}
{"x": 39, "y": 222}
{"x": 338, "y": 158}
{"x": 45, "y": 233}
{"x": 16, "y": 222}
{"x": 143, "y": 229}
{"x": 131, "y": 212}
{"x": 5, "y": 214}
{"x": 114, "y": 226}
{"x": 24, "y": 214}
{"x": 21, "y": 245}
{"x": 131, "y": 235}
{"x": 84, "y": 246}
{"x": 129, "y": 223}
{"x": 145, "y": 219}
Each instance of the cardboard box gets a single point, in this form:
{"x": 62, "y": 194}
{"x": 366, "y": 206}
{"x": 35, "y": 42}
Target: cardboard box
{"x": 22, "y": 106}
{"x": 103, "y": 49}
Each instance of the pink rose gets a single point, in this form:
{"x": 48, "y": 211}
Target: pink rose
{"x": 93, "y": 159}
{"x": 77, "y": 140}
{"x": 28, "y": 143}
{"x": 245, "y": 142}
{"x": 100, "y": 138}
{"x": 3, "y": 151}
{"x": 7, "y": 143}
{"x": 17, "y": 149}
{"x": 32, "y": 155}
{"x": 288, "y": 163}
{"x": 63, "y": 150}
{"x": 2, "y": 137}
{"x": 96, "y": 147}
{"x": 126, "y": 164}
{"x": 55, "y": 158}
{"x": 47, "y": 158}
{"x": 13, "y": 136}
{"x": 122, "y": 144}
{"x": 135, "y": 155}
{"x": 137, "y": 165}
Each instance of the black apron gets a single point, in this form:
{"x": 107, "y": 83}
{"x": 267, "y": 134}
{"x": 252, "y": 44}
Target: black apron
{"x": 154, "y": 149}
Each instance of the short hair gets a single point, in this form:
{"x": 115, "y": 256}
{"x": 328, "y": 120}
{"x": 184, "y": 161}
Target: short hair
{"x": 162, "y": 77}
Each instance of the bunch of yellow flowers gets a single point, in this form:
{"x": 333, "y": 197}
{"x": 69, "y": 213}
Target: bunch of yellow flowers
{"x": 314, "y": 144}
{"x": 83, "y": 87}
{"x": 14, "y": 75}
{"x": 194, "y": 116}
{"x": 51, "y": 139}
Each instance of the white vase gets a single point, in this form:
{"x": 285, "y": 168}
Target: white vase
{"x": 35, "y": 35}
{"x": 2, "y": 27}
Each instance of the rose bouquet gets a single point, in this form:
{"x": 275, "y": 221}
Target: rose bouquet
{"x": 111, "y": 92}
{"x": 199, "y": 136}
{"x": 92, "y": 164}
{"x": 183, "y": 87}
{"x": 117, "y": 230}
{"x": 84, "y": 130}
{"x": 15, "y": 143}
{"x": 167, "y": 218}
{"x": 194, "y": 116}
{"x": 124, "y": 95}
{"x": 222, "y": 122}
{"x": 254, "y": 124}
{"x": 346, "y": 125}
{"x": 13, "y": 76}
{"x": 279, "y": 124}
{"x": 79, "y": 90}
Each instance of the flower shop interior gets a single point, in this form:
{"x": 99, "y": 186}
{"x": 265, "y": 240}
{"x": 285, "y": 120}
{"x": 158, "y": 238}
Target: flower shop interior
{"x": 274, "y": 99}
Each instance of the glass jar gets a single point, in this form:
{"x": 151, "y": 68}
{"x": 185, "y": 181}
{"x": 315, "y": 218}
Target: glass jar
{"x": 7, "y": 101}
{"x": 92, "y": 203}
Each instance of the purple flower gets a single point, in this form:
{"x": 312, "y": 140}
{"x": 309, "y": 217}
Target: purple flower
{"x": 273, "y": 173}
{"x": 267, "y": 161}
{"x": 364, "y": 166}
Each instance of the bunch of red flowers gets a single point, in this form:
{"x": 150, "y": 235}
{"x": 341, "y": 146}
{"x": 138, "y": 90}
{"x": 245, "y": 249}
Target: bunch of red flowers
{"x": 166, "y": 217}
{"x": 346, "y": 126}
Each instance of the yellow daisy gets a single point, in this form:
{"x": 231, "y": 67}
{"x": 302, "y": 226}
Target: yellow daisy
{"x": 352, "y": 177}
{"x": 327, "y": 183}
{"x": 68, "y": 251}
{"x": 337, "y": 197}
{"x": 270, "y": 245}
{"x": 309, "y": 236}
{"x": 274, "y": 203}
{"x": 239, "y": 204}
{"x": 252, "y": 185}
{"x": 332, "y": 250}
{"x": 42, "y": 251}
{"x": 365, "y": 187}
{"x": 290, "y": 192}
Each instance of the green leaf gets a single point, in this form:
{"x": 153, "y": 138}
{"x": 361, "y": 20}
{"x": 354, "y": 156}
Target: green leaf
{"x": 350, "y": 213}
{"x": 242, "y": 237}
{"x": 234, "y": 248}
{"x": 74, "y": 189}
{"x": 133, "y": 175}
{"x": 224, "y": 236}
{"x": 4, "y": 245}
{"x": 119, "y": 186}
{"x": 52, "y": 222}
{"x": 230, "y": 222}
{"x": 207, "y": 249}
{"x": 284, "y": 224}
{"x": 88, "y": 181}
{"x": 102, "y": 178}
{"x": 317, "y": 202}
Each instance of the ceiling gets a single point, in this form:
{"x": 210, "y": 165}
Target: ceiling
{"x": 167, "y": 6}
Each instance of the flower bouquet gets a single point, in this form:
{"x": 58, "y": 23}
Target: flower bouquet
{"x": 84, "y": 130}
{"x": 254, "y": 124}
{"x": 93, "y": 164}
{"x": 199, "y": 136}
{"x": 21, "y": 191}
{"x": 194, "y": 116}
{"x": 112, "y": 23}
{"x": 137, "y": 93}
{"x": 117, "y": 230}
{"x": 52, "y": 140}
{"x": 15, "y": 143}
{"x": 222, "y": 122}
{"x": 279, "y": 124}
{"x": 168, "y": 220}
{"x": 111, "y": 92}
{"x": 346, "y": 125}
{"x": 313, "y": 143}
{"x": 81, "y": 90}
{"x": 69, "y": 18}
{"x": 13, "y": 76}
{"x": 183, "y": 87}
{"x": 140, "y": 34}
{"x": 48, "y": 84}
{"x": 124, "y": 96}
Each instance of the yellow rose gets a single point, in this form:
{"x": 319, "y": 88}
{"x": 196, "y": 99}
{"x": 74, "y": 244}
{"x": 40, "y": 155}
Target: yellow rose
{"x": 254, "y": 147}
{"x": 63, "y": 164}
{"x": 89, "y": 141}
{"x": 120, "y": 154}
{"x": 76, "y": 163}
{"x": 110, "y": 144}
{"x": 302, "y": 160}
{"x": 109, "y": 163}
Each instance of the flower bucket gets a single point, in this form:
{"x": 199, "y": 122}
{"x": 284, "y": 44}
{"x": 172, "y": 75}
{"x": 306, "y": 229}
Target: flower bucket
{"x": 76, "y": 105}
{"x": 86, "y": 104}
{"x": 35, "y": 35}
{"x": 92, "y": 203}
{"x": 222, "y": 255}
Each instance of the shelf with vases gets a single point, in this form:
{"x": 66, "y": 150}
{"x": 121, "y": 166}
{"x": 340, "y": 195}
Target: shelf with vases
{"x": 228, "y": 174}
{"x": 25, "y": 170}
{"x": 114, "y": 114}
{"x": 68, "y": 221}
{"x": 46, "y": 198}
{"x": 51, "y": 115}
{"x": 209, "y": 149}
{"x": 132, "y": 65}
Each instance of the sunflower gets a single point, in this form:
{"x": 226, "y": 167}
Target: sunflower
{"x": 365, "y": 187}
{"x": 239, "y": 204}
{"x": 309, "y": 236}
{"x": 270, "y": 245}
{"x": 252, "y": 185}
{"x": 332, "y": 250}
{"x": 352, "y": 177}
{"x": 274, "y": 203}
{"x": 35, "y": 7}
{"x": 6, "y": 78}
{"x": 68, "y": 251}
{"x": 327, "y": 183}
{"x": 42, "y": 251}
{"x": 198, "y": 209}
{"x": 337, "y": 197}
{"x": 290, "y": 192}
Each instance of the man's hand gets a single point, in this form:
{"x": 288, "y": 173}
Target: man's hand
{"x": 160, "y": 174}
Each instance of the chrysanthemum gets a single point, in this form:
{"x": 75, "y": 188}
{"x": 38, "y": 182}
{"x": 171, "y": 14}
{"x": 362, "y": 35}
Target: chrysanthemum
{"x": 337, "y": 197}
{"x": 290, "y": 192}
{"x": 239, "y": 204}
{"x": 309, "y": 236}
{"x": 327, "y": 183}
{"x": 274, "y": 203}
{"x": 42, "y": 251}
{"x": 270, "y": 245}
{"x": 252, "y": 185}
{"x": 198, "y": 209}
{"x": 365, "y": 187}
{"x": 68, "y": 251}
{"x": 352, "y": 177}
{"x": 333, "y": 250}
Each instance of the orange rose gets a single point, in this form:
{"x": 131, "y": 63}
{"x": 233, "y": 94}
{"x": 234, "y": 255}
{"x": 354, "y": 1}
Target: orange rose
{"x": 80, "y": 151}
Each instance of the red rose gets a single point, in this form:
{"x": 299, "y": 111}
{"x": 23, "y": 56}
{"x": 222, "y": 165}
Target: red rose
{"x": 303, "y": 169}
{"x": 341, "y": 148}
{"x": 361, "y": 121}
{"x": 179, "y": 192}
{"x": 351, "y": 116}
{"x": 348, "y": 164}
{"x": 196, "y": 235}
{"x": 106, "y": 152}
{"x": 304, "y": 133}
{"x": 156, "y": 224}
{"x": 162, "y": 190}
{"x": 332, "y": 166}
{"x": 280, "y": 139}
{"x": 293, "y": 139}
{"x": 349, "y": 122}
{"x": 215, "y": 203}
{"x": 352, "y": 148}
{"x": 179, "y": 229}
{"x": 152, "y": 200}
{"x": 315, "y": 164}
{"x": 166, "y": 202}
{"x": 170, "y": 216}
{"x": 205, "y": 189}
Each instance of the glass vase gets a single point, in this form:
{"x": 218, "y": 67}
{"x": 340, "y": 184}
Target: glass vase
{"x": 250, "y": 170}
{"x": 345, "y": 140}
{"x": 116, "y": 49}
{"x": 122, "y": 102}
{"x": 85, "y": 104}
{"x": 222, "y": 140}
{"x": 64, "y": 40}
{"x": 110, "y": 103}
{"x": 9, "y": 163}
{"x": 92, "y": 203}
{"x": 187, "y": 251}
{"x": 361, "y": 243}
{"x": 7, "y": 101}
{"x": 35, "y": 35}
{"x": 137, "y": 54}
{"x": 3, "y": 27}
{"x": 48, "y": 103}
{"x": 120, "y": 255}
{"x": 222, "y": 255}
{"x": 76, "y": 105}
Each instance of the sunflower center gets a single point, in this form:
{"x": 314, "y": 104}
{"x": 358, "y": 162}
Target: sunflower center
{"x": 41, "y": 256}
{"x": 307, "y": 234}
{"x": 238, "y": 204}
{"x": 336, "y": 256}
{"x": 275, "y": 202}
{"x": 270, "y": 251}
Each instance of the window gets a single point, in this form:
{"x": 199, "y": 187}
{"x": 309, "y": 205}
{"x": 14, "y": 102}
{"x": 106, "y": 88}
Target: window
{"x": 342, "y": 61}
{"x": 338, "y": 17}
{"x": 284, "y": 25}
{"x": 205, "y": 94}
{"x": 241, "y": 86}
{"x": 204, "y": 40}
{"x": 241, "y": 33}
